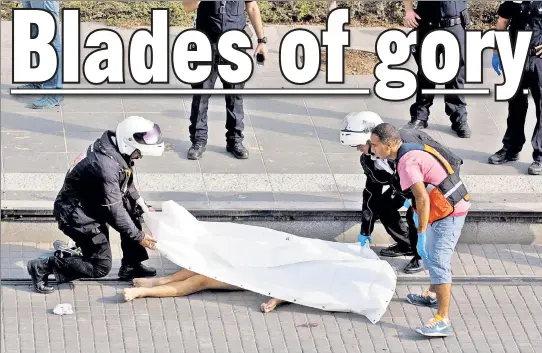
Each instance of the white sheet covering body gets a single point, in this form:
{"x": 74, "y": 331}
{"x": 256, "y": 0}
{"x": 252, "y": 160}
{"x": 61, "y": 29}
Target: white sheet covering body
{"x": 320, "y": 274}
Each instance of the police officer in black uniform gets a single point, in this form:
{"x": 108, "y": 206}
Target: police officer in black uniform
{"x": 213, "y": 19}
{"x": 522, "y": 16}
{"x": 436, "y": 15}
{"x": 98, "y": 190}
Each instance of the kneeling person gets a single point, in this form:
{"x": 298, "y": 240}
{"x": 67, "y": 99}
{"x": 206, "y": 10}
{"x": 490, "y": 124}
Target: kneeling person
{"x": 98, "y": 190}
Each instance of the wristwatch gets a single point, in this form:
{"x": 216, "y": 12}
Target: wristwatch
{"x": 263, "y": 40}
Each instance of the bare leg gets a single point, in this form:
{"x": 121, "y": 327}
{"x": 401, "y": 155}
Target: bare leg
{"x": 271, "y": 305}
{"x": 444, "y": 293}
{"x": 191, "y": 285}
{"x": 159, "y": 281}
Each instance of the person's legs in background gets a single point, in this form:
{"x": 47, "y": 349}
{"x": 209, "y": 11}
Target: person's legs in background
{"x": 235, "y": 116}
{"x": 420, "y": 109}
{"x": 514, "y": 136}
{"x": 27, "y": 4}
{"x": 234, "y": 122}
{"x": 198, "y": 117}
{"x": 536, "y": 91}
{"x": 455, "y": 105}
{"x": 48, "y": 101}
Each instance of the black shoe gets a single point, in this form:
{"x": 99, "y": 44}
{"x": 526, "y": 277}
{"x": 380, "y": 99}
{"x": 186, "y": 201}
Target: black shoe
{"x": 413, "y": 266}
{"x": 462, "y": 129}
{"x": 503, "y": 156}
{"x": 416, "y": 124}
{"x": 535, "y": 168}
{"x": 129, "y": 272}
{"x": 196, "y": 150}
{"x": 39, "y": 270}
{"x": 394, "y": 251}
{"x": 238, "y": 150}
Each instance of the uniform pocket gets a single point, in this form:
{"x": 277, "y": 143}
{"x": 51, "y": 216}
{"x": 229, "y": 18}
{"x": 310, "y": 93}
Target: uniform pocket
{"x": 235, "y": 7}
{"x": 99, "y": 239}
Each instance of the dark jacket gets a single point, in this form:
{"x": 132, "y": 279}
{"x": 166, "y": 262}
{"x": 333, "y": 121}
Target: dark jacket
{"x": 525, "y": 16}
{"x": 99, "y": 190}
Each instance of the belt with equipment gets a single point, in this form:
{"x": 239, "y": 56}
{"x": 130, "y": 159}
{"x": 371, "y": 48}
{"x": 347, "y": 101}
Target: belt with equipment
{"x": 449, "y": 22}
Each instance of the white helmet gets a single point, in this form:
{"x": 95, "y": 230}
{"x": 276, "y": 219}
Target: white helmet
{"x": 357, "y": 128}
{"x": 137, "y": 134}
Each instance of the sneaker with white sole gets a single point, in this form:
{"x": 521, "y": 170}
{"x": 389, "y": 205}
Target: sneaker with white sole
{"x": 440, "y": 328}
{"x": 47, "y": 102}
{"x": 423, "y": 299}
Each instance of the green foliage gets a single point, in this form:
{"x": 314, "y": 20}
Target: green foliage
{"x": 362, "y": 13}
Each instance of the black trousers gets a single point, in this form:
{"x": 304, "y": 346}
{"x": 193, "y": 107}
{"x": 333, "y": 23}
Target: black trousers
{"x": 200, "y": 104}
{"x": 378, "y": 206}
{"x": 514, "y": 138}
{"x": 96, "y": 261}
{"x": 455, "y": 105}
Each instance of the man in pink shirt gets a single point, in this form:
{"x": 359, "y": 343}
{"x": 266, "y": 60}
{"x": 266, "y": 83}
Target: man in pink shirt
{"x": 441, "y": 202}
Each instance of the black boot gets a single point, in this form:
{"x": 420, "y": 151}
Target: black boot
{"x": 503, "y": 156}
{"x": 196, "y": 150}
{"x": 413, "y": 266}
{"x": 416, "y": 124}
{"x": 394, "y": 251}
{"x": 238, "y": 150}
{"x": 462, "y": 129}
{"x": 39, "y": 270}
{"x": 129, "y": 272}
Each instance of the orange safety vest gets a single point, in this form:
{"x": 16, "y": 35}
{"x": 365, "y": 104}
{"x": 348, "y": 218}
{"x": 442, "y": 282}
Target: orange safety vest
{"x": 442, "y": 197}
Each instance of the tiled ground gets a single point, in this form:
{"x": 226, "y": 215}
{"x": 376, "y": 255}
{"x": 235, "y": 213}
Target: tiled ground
{"x": 492, "y": 318}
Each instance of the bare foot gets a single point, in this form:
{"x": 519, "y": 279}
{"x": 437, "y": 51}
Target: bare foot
{"x": 145, "y": 282}
{"x": 130, "y": 294}
{"x": 270, "y": 305}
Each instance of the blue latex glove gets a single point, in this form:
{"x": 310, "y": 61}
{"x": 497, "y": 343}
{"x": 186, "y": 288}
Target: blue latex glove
{"x": 364, "y": 239}
{"x": 496, "y": 62}
{"x": 415, "y": 217}
{"x": 407, "y": 205}
{"x": 420, "y": 246}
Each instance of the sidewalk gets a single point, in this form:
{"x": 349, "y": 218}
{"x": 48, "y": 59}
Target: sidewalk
{"x": 492, "y": 318}
{"x": 296, "y": 160}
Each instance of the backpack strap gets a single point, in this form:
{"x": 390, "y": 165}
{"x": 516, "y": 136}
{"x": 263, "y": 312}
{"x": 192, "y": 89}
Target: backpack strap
{"x": 452, "y": 187}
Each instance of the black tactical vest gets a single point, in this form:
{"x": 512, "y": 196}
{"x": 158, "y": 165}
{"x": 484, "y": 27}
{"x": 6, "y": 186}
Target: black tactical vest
{"x": 216, "y": 17}
{"x": 531, "y": 18}
{"x": 439, "y": 10}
